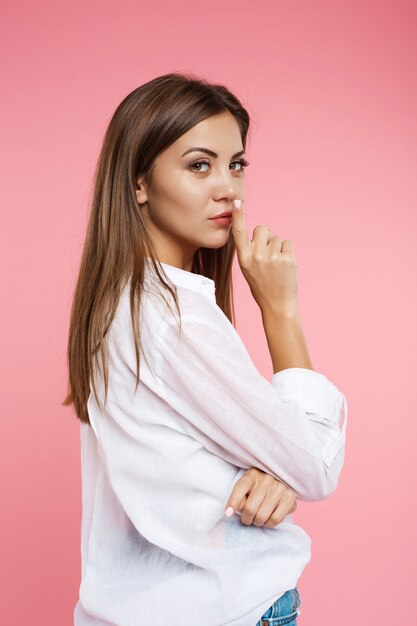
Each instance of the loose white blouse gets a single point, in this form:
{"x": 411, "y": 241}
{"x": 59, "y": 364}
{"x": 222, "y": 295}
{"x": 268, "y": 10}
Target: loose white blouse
{"x": 158, "y": 466}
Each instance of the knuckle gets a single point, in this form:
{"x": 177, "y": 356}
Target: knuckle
{"x": 278, "y": 490}
{"x": 276, "y": 519}
{"x": 249, "y": 510}
{"x": 269, "y": 525}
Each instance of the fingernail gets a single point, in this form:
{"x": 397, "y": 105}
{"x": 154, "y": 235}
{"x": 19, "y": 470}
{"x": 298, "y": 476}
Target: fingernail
{"x": 229, "y": 511}
{"x": 237, "y": 204}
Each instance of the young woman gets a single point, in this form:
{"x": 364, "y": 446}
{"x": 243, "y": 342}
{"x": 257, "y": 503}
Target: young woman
{"x": 177, "y": 424}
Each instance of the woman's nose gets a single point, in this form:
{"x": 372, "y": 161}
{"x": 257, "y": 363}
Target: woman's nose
{"x": 227, "y": 188}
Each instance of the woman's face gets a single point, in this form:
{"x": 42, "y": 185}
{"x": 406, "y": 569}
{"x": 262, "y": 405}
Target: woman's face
{"x": 189, "y": 189}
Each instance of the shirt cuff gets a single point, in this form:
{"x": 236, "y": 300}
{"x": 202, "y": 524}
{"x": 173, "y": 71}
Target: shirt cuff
{"x": 313, "y": 391}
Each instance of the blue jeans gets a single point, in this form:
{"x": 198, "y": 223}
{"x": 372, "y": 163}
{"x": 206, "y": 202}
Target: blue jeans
{"x": 283, "y": 611}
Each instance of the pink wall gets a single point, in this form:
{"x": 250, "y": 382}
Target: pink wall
{"x": 332, "y": 90}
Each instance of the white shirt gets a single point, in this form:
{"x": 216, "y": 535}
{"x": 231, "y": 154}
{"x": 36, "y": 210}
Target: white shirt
{"x": 159, "y": 465}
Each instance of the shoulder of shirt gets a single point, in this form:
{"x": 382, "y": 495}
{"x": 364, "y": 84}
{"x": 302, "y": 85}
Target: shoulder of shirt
{"x": 158, "y": 309}
{"x": 202, "y": 320}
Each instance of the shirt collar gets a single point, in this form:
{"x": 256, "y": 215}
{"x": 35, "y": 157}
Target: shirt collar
{"x": 183, "y": 278}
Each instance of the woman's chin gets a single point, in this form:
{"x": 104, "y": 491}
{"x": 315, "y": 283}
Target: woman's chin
{"x": 217, "y": 241}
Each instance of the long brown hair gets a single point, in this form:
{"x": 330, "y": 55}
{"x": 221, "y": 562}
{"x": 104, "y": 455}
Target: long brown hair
{"x": 146, "y": 122}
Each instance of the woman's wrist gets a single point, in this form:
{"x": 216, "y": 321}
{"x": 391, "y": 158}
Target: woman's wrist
{"x": 286, "y": 342}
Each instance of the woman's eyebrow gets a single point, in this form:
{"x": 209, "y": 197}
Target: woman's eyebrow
{"x": 210, "y": 152}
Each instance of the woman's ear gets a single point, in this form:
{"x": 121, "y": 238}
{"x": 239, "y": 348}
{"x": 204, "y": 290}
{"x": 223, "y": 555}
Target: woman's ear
{"x": 141, "y": 194}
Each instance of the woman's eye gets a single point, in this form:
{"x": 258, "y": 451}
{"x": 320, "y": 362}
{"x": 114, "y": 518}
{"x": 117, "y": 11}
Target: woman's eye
{"x": 199, "y": 163}
{"x": 242, "y": 162}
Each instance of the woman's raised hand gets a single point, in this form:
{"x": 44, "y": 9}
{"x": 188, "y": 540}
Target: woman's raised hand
{"x": 267, "y": 263}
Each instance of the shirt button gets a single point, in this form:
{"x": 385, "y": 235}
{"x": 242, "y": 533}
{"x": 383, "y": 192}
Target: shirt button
{"x": 264, "y": 622}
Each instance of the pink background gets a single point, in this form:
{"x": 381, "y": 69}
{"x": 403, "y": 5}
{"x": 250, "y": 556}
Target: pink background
{"x": 332, "y": 90}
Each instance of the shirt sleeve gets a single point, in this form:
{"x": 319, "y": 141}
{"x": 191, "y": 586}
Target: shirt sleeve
{"x": 289, "y": 427}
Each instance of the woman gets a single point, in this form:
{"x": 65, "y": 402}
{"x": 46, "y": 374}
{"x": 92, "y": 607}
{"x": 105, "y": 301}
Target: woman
{"x": 170, "y": 440}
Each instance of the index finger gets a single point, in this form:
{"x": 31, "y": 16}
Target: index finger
{"x": 239, "y": 491}
{"x": 239, "y": 232}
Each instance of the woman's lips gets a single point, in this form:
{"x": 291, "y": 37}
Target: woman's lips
{"x": 223, "y": 221}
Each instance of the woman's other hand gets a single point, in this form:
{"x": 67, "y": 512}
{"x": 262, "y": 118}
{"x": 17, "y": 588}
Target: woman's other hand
{"x": 262, "y": 499}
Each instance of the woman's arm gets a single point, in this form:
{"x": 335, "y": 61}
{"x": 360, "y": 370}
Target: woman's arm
{"x": 285, "y": 337}
{"x": 262, "y": 499}
{"x": 288, "y": 427}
